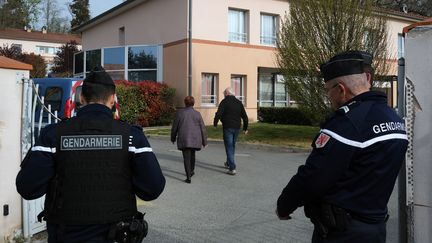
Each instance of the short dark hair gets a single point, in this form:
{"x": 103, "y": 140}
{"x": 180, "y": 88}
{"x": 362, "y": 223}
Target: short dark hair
{"x": 189, "y": 101}
{"x": 94, "y": 92}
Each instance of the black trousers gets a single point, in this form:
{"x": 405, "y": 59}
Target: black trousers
{"x": 356, "y": 232}
{"x": 189, "y": 161}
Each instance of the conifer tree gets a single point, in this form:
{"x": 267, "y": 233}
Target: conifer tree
{"x": 80, "y": 11}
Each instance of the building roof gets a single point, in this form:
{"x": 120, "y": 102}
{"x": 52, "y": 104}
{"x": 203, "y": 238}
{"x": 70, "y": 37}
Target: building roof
{"x": 13, "y": 64}
{"x": 412, "y": 26}
{"x": 21, "y": 34}
{"x": 121, "y": 8}
{"x": 398, "y": 14}
{"x": 128, "y": 4}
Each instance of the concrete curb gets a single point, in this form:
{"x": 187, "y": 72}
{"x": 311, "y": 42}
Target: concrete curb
{"x": 259, "y": 146}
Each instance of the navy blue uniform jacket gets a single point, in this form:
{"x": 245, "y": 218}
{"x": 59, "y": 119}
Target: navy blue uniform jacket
{"x": 38, "y": 169}
{"x": 354, "y": 162}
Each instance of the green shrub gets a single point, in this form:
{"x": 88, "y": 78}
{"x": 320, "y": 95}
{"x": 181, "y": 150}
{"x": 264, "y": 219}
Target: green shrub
{"x": 283, "y": 115}
{"x": 145, "y": 103}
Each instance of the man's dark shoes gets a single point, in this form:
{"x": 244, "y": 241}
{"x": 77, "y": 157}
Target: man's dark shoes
{"x": 226, "y": 165}
{"x": 192, "y": 173}
{"x": 187, "y": 181}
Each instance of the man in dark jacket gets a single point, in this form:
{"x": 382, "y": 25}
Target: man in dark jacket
{"x": 231, "y": 111}
{"x": 91, "y": 167}
{"x": 349, "y": 176}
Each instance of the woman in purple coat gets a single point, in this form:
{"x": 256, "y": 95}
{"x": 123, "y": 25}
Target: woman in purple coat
{"x": 188, "y": 127}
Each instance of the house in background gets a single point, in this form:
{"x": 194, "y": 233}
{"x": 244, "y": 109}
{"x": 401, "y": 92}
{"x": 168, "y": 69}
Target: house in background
{"x": 200, "y": 48}
{"x": 41, "y": 42}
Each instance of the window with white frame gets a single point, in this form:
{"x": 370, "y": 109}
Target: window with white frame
{"x": 237, "y": 26}
{"x": 269, "y": 26}
{"x": 114, "y": 62}
{"x": 142, "y": 63}
{"x": 133, "y": 63}
{"x": 46, "y": 50}
{"x": 79, "y": 64}
{"x": 238, "y": 85}
{"x": 18, "y": 47}
{"x": 208, "y": 88}
{"x": 272, "y": 91}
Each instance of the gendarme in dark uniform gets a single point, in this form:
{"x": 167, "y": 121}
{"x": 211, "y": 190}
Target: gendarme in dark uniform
{"x": 349, "y": 176}
{"x": 91, "y": 167}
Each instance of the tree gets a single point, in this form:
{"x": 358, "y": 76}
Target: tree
{"x": 33, "y": 11}
{"x": 315, "y": 31}
{"x": 12, "y": 52}
{"x": 19, "y": 13}
{"x": 63, "y": 62}
{"x": 53, "y": 20}
{"x": 80, "y": 12}
{"x": 37, "y": 61}
{"x": 13, "y": 14}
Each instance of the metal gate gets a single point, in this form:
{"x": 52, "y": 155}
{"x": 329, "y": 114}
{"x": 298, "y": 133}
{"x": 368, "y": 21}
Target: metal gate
{"x": 30, "y": 130}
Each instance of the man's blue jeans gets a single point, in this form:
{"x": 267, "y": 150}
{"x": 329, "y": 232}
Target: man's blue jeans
{"x": 230, "y": 137}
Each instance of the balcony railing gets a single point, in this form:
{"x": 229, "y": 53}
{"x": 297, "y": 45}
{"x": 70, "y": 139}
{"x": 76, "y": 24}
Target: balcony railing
{"x": 208, "y": 99}
{"x": 237, "y": 37}
{"x": 268, "y": 40}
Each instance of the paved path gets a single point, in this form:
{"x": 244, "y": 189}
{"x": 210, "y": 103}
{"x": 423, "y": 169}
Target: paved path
{"x": 218, "y": 207}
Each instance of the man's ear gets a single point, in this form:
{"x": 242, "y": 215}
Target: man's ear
{"x": 82, "y": 100}
{"x": 111, "y": 100}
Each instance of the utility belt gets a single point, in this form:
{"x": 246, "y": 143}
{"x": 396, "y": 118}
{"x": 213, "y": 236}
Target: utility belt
{"x": 133, "y": 230}
{"x": 330, "y": 218}
{"x": 129, "y": 231}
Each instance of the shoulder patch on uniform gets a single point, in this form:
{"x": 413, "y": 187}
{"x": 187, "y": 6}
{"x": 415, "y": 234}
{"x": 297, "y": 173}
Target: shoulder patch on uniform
{"x": 322, "y": 140}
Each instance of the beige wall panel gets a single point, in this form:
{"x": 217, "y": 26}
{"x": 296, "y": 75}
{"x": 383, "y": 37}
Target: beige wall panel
{"x": 210, "y": 17}
{"x": 154, "y": 22}
{"x": 175, "y": 71}
{"x": 10, "y": 149}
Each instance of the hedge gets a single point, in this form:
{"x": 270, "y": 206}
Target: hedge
{"x": 283, "y": 115}
{"x": 145, "y": 103}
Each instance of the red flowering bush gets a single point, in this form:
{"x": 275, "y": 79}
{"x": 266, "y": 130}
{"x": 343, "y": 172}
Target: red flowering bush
{"x": 145, "y": 103}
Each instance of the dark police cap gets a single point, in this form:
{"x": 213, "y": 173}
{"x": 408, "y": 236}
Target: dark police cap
{"x": 99, "y": 76}
{"x": 367, "y": 57}
{"x": 346, "y": 63}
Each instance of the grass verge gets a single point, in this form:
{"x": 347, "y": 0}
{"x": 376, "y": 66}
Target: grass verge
{"x": 263, "y": 133}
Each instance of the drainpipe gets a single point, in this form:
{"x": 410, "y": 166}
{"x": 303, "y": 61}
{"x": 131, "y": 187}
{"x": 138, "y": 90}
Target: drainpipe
{"x": 190, "y": 49}
{"x": 402, "y": 174}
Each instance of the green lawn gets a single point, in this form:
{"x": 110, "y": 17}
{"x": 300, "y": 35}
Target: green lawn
{"x": 274, "y": 134}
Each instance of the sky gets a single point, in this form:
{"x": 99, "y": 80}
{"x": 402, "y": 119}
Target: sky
{"x": 96, "y": 6}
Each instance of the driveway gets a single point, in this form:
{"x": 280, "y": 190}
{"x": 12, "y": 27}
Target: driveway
{"x": 217, "y": 207}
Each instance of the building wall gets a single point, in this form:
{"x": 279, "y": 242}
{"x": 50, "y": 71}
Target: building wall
{"x": 150, "y": 23}
{"x": 227, "y": 59}
{"x": 210, "y": 18}
{"x": 175, "y": 69}
{"x": 10, "y": 150}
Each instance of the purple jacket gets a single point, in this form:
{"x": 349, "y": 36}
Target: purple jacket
{"x": 188, "y": 127}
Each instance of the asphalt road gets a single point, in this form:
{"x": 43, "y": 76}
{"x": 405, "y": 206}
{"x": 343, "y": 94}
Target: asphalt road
{"x": 217, "y": 207}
